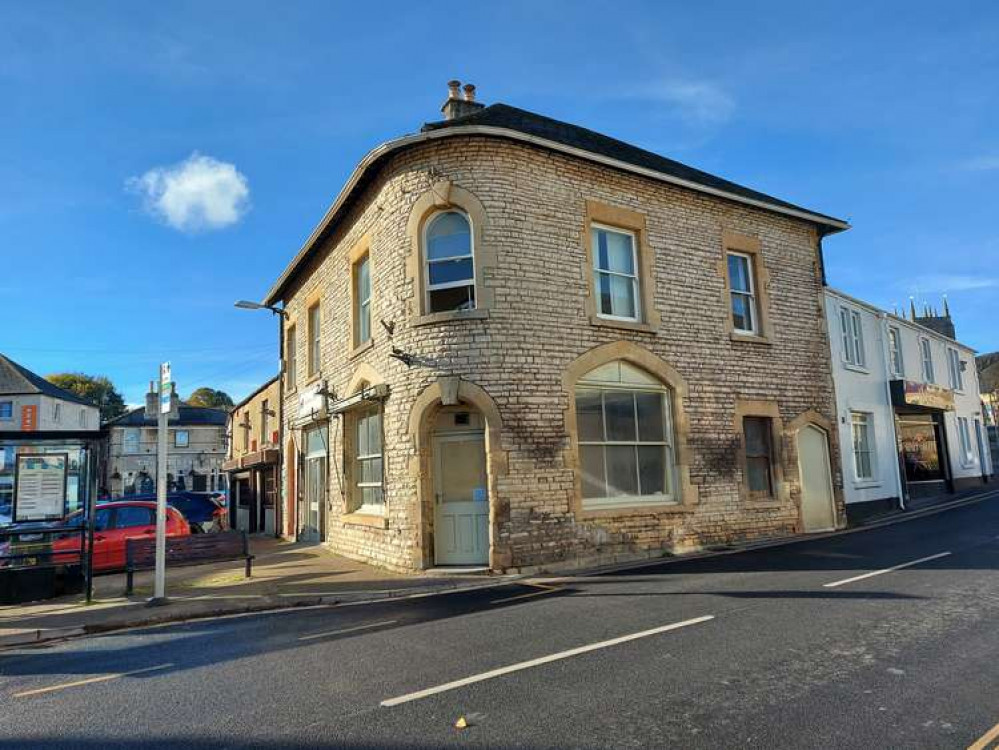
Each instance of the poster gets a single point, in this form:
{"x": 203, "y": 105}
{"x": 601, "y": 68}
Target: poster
{"x": 40, "y": 489}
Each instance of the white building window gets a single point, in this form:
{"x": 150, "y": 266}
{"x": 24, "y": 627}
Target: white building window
{"x": 954, "y": 367}
{"x": 369, "y": 496}
{"x": 315, "y": 339}
{"x": 362, "y": 300}
{"x": 83, "y": 417}
{"x": 615, "y": 273}
{"x": 757, "y": 435}
{"x": 625, "y": 427}
{"x": 895, "y": 352}
{"x": 181, "y": 438}
{"x": 852, "y": 330}
{"x": 863, "y": 446}
{"x": 6, "y": 410}
{"x": 291, "y": 357}
{"x": 131, "y": 440}
{"x": 450, "y": 263}
{"x": 56, "y": 412}
{"x": 742, "y": 287}
{"x": 964, "y": 436}
{"x": 926, "y": 352}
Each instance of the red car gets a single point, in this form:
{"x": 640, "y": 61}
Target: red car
{"x": 114, "y": 523}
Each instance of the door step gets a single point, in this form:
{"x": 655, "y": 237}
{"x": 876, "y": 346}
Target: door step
{"x": 457, "y": 570}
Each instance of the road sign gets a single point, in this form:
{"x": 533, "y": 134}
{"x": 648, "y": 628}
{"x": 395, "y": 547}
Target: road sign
{"x": 165, "y": 389}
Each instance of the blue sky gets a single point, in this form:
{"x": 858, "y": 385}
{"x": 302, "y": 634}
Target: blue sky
{"x": 160, "y": 161}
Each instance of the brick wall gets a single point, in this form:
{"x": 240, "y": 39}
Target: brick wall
{"x": 537, "y": 325}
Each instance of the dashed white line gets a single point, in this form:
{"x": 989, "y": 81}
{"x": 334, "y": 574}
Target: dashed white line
{"x": 348, "y": 630}
{"x": 893, "y": 568}
{"x": 89, "y": 681}
{"x": 541, "y": 660}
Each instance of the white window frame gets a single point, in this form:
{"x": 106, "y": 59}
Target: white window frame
{"x": 926, "y": 357}
{"x": 362, "y": 304}
{"x": 896, "y": 360}
{"x": 135, "y": 432}
{"x": 964, "y": 438}
{"x": 867, "y": 419}
{"x": 852, "y": 328}
{"x": 83, "y": 417}
{"x": 56, "y": 411}
{"x": 637, "y": 287}
{"x": 671, "y": 496}
{"x": 751, "y": 294}
{"x": 427, "y": 262}
{"x": 359, "y": 459}
{"x": 176, "y": 438}
{"x": 954, "y": 367}
{"x": 7, "y": 406}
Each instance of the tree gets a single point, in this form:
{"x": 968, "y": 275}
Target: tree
{"x": 98, "y": 389}
{"x": 211, "y": 398}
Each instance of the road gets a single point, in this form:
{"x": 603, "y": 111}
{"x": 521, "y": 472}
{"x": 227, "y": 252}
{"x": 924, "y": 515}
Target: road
{"x": 884, "y": 638}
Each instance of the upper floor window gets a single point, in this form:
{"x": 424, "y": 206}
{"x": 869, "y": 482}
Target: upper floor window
{"x": 742, "y": 288}
{"x": 56, "y": 411}
{"x": 895, "y": 352}
{"x": 131, "y": 440}
{"x": 362, "y": 300}
{"x": 615, "y": 273}
{"x": 83, "y": 417}
{"x": 625, "y": 427}
{"x": 757, "y": 435}
{"x": 181, "y": 438}
{"x": 954, "y": 366}
{"x": 926, "y": 352}
{"x": 6, "y": 410}
{"x": 314, "y": 340}
{"x": 852, "y": 330}
{"x": 291, "y": 358}
{"x": 450, "y": 263}
{"x": 265, "y": 409}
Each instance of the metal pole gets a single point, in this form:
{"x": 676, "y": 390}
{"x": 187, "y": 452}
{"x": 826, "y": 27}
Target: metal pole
{"x": 159, "y": 587}
{"x": 91, "y": 517}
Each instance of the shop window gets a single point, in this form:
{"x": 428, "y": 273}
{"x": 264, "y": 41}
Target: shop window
{"x": 626, "y": 441}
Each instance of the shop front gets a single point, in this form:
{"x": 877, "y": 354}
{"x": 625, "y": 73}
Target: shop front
{"x": 922, "y": 438}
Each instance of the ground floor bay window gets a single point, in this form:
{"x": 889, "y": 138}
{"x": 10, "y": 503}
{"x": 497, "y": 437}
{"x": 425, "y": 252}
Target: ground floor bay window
{"x": 626, "y": 441}
{"x": 366, "y": 471}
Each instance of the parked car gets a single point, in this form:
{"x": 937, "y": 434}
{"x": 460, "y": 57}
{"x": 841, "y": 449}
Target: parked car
{"x": 205, "y": 514}
{"x": 115, "y": 523}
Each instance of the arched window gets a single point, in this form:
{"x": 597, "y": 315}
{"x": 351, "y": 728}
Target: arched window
{"x": 450, "y": 263}
{"x": 626, "y": 442}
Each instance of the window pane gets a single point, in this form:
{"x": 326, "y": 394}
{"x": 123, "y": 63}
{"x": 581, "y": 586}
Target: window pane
{"x": 589, "y": 416}
{"x": 448, "y": 236}
{"x": 742, "y": 312}
{"x": 622, "y": 296}
{"x": 456, "y": 298}
{"x": 372, "y": 496}
{"x": 758, "y": 471}
{"x": 614, "y": 251}
{"x": 130, "y": 517}
{"x": 652, "y": 469}
{"x": 604, "y": 291}
{"x": 651, "y": 421}
{"x": 738, "y": 273}
{"x": 757, "y": 432}
{"x": 364, "y": 323}
{"x": 591, "y": 466}
{"x": 619, "y": 411}
{"x": 447, "y": 271}
{"x": 622, "y": 474}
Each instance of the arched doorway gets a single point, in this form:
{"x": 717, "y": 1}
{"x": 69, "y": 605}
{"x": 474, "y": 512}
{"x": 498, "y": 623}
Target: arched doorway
{"x": 818, "y": 506}
{"x": 461, "y": 487}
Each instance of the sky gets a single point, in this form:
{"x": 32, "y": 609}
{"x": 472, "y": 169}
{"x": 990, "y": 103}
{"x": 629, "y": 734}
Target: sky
{"x": 160, "y": 161}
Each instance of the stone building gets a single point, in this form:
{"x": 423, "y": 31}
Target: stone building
{"x": 517, "y": 343}
{"x": 253, "y": 461}
{"x": 196, "y": 449}
{"x": 30, "y": 403}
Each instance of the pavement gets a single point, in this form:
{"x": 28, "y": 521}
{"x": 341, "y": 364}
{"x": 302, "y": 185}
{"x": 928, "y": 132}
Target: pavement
{"x": 878, "y": 638}
{"x": 284, "y": 575}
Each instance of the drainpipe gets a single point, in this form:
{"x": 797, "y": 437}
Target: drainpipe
{"x": 886, "y": 364}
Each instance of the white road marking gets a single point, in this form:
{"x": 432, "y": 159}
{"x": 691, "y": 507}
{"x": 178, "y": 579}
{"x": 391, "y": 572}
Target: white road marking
{"x": 348, "y": 630}
{"x": 543, "y": 590}
{"x": 873, "y": 573}
{"x": 541, "y": 660}
{"x": 89, "y": 681}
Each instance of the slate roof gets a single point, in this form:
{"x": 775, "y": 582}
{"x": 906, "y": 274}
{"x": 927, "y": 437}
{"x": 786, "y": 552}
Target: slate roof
{"x": 16, "y": 380}
{"x": 188, "y": 415}
{"x": 504, "y": 116}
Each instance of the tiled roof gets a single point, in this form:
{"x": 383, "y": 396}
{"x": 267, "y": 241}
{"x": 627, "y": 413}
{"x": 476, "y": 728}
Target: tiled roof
{"x": 16, "y": 380}
{"x": 188, "y": 415}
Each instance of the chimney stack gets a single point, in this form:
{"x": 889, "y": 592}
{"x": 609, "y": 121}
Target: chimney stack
{"x": 457, "y": 106}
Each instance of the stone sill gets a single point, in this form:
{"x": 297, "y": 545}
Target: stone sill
{"x": 625, "y": 325}
{"x": 636, "y": 510}
{"x": 365, "y": 519}
{"x": 747, "y": 338}
{"x": 360, "y": 349}
{"x": 450, "y": 316}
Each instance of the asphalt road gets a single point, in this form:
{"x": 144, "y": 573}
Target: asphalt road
{"x": 750, "y": 650}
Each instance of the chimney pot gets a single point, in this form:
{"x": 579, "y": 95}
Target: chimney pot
{"x": 452, "y": 89}
{"x": 457, "y": 106}
{"x": 469, "y": 92}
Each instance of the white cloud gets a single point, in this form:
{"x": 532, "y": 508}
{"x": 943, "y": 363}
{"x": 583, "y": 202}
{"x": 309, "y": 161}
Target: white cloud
{"x": 698, "y": 102}
{"x": 951, "y": 282}
{"x": 200, "y": 193}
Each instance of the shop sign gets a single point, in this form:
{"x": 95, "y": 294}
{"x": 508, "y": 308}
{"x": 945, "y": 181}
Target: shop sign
{"x": 908, "y": 393}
